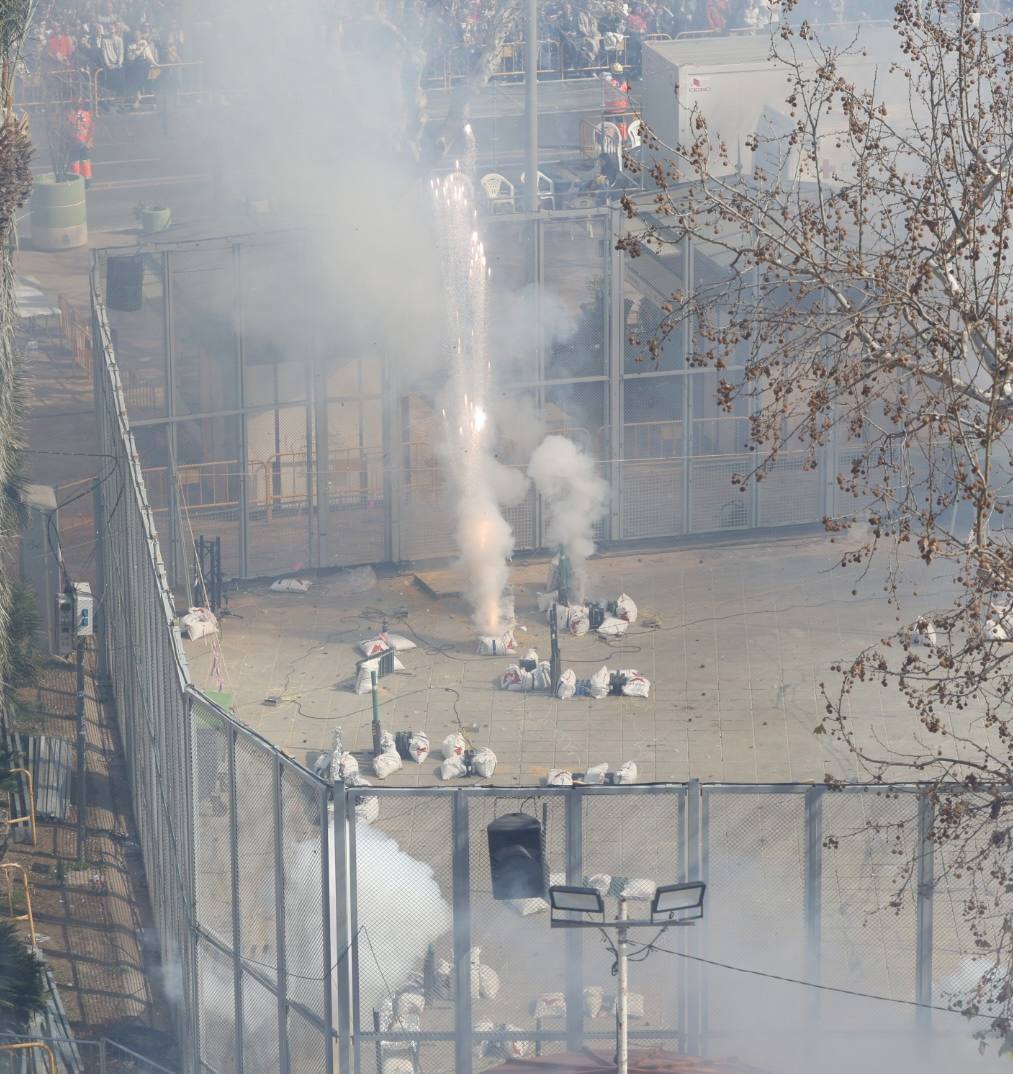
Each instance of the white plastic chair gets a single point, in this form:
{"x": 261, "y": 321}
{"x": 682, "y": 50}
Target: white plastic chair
{"x": 633, "y": 139}
{"x": 546, "y": 189}
{"x": 608, "y": 139}
{"x": 500, "y": 192}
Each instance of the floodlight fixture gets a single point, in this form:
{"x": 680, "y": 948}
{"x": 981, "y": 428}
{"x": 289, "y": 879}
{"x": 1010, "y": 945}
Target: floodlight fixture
{"x": 574, "y": 900}
{"x": 678, "y": 903}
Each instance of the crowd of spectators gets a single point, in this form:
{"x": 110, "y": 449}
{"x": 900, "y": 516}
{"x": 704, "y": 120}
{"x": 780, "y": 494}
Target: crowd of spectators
{"x": 581, "y": 35}
{"x": 127, "y": 44}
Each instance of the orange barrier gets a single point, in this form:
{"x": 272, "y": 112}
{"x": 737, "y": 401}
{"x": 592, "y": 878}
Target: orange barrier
{"x": 33, "y": 1044}
{"x": 5, "y": 868}
{"x": 76, "y": 332}
{"x": 30, "y": 818}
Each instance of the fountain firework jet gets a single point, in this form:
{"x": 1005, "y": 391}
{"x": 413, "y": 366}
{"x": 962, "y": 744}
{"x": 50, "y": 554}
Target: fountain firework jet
{"x": 482, "y": 486}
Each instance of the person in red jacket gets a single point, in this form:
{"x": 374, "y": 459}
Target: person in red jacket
{"x": 80, "y": 136}
{"x": 59, "y": 47}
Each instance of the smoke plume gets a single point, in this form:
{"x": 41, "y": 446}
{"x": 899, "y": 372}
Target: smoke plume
{"x": 576, "y": 498}
{"x": 481, "y": 485}
{"x": 401, "y": 912}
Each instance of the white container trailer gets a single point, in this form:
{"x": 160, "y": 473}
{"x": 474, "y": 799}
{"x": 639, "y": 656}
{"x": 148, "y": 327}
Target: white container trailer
{"x": 733, "y": 82}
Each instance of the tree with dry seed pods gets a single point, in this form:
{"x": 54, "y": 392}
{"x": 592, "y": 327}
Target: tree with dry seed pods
{"x": 855, "y": 302}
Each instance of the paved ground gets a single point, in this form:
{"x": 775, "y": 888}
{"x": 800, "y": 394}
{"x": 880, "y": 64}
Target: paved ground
{"x": 91, "y": 915}
{"x": 734, "y": 637}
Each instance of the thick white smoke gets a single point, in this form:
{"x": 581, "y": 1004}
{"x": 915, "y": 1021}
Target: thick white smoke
{"x": 484, "y": 537}
{"x": 401, "y": 912}
{"x": 481, "y": 485}
{"x": 575, "y": 496}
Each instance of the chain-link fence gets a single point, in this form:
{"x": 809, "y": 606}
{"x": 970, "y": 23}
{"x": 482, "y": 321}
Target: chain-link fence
{"x": 310, "y": 929}
{"x": 258, "y": 422}
{"x": 234, "y": 835}
{"x": 804, "y": 888}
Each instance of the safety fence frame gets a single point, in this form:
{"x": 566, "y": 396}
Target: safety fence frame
{"x": 275, "y": 471}
{"x": 696, "y": 811}
{"x": 209, "y": 796}
{"x": 247, "y": 855}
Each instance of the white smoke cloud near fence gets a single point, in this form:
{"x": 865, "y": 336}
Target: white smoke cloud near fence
{"x": 281, "y": 938}
{"x": 779, "y": 903}
{"x": 576, "y": 498}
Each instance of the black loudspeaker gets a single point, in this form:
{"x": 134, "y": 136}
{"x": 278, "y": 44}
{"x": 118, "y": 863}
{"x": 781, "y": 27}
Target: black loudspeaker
{"x": 125, "y": 283}
{"x": 517, "y": 857}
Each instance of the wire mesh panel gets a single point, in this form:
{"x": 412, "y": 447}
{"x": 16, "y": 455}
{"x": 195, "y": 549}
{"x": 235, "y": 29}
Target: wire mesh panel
{"x": 216, "y": 1010}
{"x": 754, "y": 853}
{"x": 261, "y": 1044}
{"x": 633, "y": 840}
{"x": 279, "y": 491}
{"x": 789, "y": 493}
{"x": 304, "y": 821}
{"x": 575, "y": 290}
{"x": 255, "y": 855}
{"x": 716, "y": 503}
{"x": 204, "y": 347}
{"x": 869, "y": 919}
{"x": 141, "y": 332}
{"x": 958, "y": 963}
{"x": 512, "y": 321}
{"x": 208, "y": 480}
{"x": 212, "y": 790}
{"x": 428, "y": 518}
{"x": 652, "y": 498}
{"x": 521, "y": 962}
{"x": 523, "y": 520}
{"x": 401, "y": 914}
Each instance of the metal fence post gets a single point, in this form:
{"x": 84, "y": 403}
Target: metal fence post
{"x": 615, "y": 342}
{"x": 320, "y": 489}
{"x": 244, "y": 455}
{"x": 926, "y": 881}
{"x": 693, "y": 869}
{"x": 108, "y": 458}
{"x": 237, "y": 939}
{"x": 574, "y": 939}
{"x": 279, "y": 920}
{"x": 462, "y": 935}
{"x": 703, "y": 976}
{"x": 345, "y": 948}
{"x": 813, "y": 894}
{"x": 326, "y": 843}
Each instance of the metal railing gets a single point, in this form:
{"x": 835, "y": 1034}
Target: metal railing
{"x": 306, "y": 926}
{"x": 102, "y": 1056}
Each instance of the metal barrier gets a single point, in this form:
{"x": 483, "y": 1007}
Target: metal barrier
{"x": 234, "y": 835}
{"x": 7, "y": 868}
{"x": 76, "y": 331}
{"x": 27, "y": 1046}
{"x": 103, "y": 1056}
{"x": 29, "y": 817}
{"x": 305, "y": 927}
{"x": 799, "y": 885}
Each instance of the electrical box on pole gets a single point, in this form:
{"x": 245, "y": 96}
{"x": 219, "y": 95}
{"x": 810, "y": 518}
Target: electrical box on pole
{"x": 65, "y": 639}
{"x": 84, "y": 610}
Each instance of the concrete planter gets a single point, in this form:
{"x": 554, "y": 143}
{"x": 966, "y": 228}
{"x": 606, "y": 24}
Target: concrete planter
{"x": 154, "y": 220}
{"x": 59, "y": 213}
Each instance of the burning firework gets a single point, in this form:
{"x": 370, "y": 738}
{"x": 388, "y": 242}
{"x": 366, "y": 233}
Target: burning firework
{"x": 482, "y": 486}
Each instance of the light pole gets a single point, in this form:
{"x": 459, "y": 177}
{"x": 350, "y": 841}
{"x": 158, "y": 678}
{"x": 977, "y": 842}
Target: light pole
{"x": 673, "y": 906}
{"x": 622, "y": 992}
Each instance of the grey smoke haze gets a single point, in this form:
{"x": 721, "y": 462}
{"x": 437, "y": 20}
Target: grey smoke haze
{"x": 310, "y": 126}
{"x": 575, "y": 497}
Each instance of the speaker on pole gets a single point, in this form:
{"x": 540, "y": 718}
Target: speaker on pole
{"x": 517, "y": 857}
{"x": 125, "y": 283}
